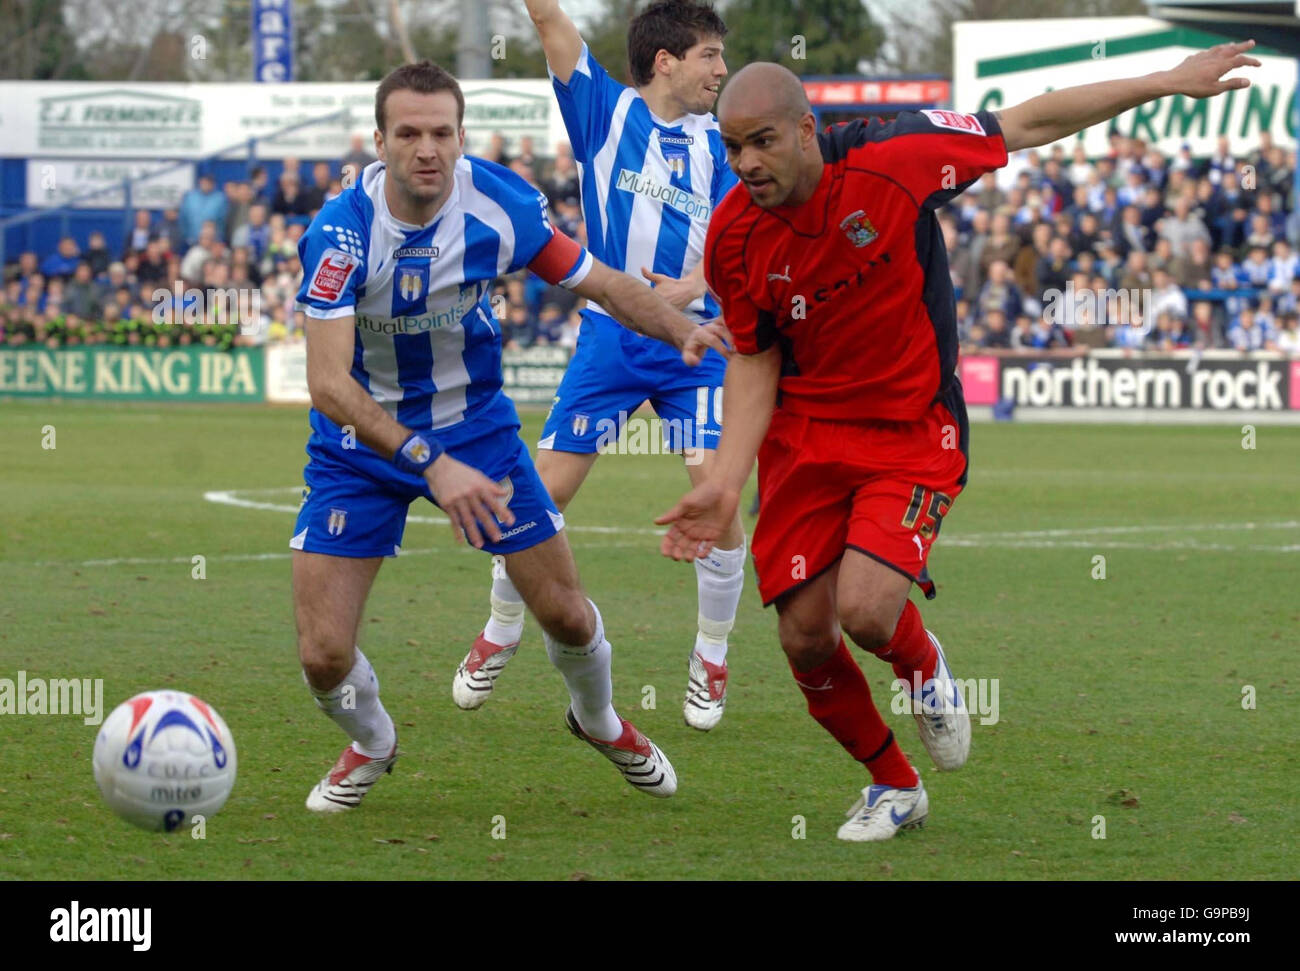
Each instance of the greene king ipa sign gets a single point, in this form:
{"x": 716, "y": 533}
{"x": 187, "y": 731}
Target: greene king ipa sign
{"x": 179, "y": 374}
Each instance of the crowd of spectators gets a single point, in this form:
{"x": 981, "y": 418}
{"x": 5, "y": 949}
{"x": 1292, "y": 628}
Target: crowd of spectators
{"x": 1133, "y": 250}
{"x": 243, "y": 237}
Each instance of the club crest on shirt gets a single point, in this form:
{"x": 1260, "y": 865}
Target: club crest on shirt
{"x": 676, "y": 159}
{"x": 857, "y": 227}
{"x": 337, "y": 521}
{"x": 408, "y": 285}
{"x": 580, "y": 423}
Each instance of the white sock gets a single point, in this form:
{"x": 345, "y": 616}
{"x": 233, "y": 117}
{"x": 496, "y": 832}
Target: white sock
{"x": 506, "y": 625}
{"x": 586, "y": 673}
{"x": 353, "y": 704}
{"x": 720, "y": 577}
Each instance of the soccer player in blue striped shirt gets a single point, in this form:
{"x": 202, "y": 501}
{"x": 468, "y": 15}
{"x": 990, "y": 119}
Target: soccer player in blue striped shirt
{"x": 652, "y": 168}
{"x": 404, "y": 369}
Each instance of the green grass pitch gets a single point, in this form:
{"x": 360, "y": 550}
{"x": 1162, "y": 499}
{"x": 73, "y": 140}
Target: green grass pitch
{"x": 1119, "y": 697}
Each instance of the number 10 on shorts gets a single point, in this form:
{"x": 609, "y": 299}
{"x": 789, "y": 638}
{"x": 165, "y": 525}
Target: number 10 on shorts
{"x": 702, "y": 406}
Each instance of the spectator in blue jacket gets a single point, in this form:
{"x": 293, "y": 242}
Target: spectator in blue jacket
{"x": 62, "y": 263}
{"x": 204, "y": 204}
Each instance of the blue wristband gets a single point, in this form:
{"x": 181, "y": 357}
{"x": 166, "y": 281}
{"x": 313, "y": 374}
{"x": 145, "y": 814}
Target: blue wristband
{"x": 417, "y": 454}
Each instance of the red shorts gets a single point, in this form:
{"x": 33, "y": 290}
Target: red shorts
{"x": 878, "y": 487}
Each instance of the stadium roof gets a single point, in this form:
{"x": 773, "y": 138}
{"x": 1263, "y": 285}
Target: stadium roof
{"x": 1274, "y": 24}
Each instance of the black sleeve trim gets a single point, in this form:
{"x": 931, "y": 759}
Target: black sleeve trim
{"x": 765, "y": 333}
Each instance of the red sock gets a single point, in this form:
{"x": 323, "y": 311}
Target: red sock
{"x": 840, "y": 700}
{"x": 910, "y": 649}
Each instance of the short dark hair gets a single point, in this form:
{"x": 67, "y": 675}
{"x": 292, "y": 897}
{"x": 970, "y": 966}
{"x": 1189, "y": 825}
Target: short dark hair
{"x": 423, "y": 77}
{"x": 674, "y": 26}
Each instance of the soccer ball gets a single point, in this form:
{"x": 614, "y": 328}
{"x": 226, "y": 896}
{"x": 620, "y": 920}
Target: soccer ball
{"x": 162, "y": 758}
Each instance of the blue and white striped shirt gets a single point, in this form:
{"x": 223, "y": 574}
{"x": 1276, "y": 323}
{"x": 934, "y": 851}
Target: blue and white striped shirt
{"x": 427, "y": 346}
{"x": 648, "y": 185}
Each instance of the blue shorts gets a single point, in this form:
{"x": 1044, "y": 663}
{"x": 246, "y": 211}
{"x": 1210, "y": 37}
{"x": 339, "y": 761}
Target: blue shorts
{"x": 355, "y": 502}
{"x": 614, "y": 371}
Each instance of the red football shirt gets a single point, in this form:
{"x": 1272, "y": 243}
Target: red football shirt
{"x": 853, "y": 284}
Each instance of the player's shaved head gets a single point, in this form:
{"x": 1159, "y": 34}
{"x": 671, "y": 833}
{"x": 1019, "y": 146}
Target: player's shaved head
{"x": 764, "y": 90}
{"x": 770, "y": 134}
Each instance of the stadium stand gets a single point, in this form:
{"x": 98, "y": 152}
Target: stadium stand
{"x": 1131, "y": 250}
{"x": 117, "y": 277}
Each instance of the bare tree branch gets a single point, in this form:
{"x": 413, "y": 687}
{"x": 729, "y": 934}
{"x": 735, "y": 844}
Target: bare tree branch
{"x": 399, "y": 31}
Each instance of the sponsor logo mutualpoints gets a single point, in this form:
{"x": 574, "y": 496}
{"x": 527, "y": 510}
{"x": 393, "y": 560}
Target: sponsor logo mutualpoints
{"x": 418, "y": 324}
{"x": 679, "y": 199}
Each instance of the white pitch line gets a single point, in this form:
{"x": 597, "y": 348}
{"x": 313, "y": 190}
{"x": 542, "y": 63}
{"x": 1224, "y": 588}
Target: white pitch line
{"x": 1147, "y": 528}
{"x": 1026, "y": 539}
{"x": 231, "y": 497}
{"x": 1090, "y": 537}
{"x": 1080, "y": 544}
{"x": 254, "y": 557}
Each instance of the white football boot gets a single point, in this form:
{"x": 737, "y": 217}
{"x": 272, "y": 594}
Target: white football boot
{"x": 941, "y": 716}
{"x": 706, "y": 693}
{"x": 638, "y": 758}
{"x": 881, "y": 811}
{"x": 479, "y": 671}
{"x": 348, "y": 782}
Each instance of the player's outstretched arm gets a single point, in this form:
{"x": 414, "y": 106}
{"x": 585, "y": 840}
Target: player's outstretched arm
{"x": 468, "y": 497}
{"x": 641, "y": 309}
{"x": 560, "y": 39}
{"x": 1059, "y": 114}
{"x": 704, "y": 513}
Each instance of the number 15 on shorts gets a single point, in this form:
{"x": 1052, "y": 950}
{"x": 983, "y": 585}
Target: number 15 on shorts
{"x": 935, "y": 505}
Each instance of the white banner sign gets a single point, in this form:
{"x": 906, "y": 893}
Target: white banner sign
{"x": 997, "y": 64}
{"x": 286, "y": 374}
{"x": 98, "y": 120}
{"x": 56, "y": 182}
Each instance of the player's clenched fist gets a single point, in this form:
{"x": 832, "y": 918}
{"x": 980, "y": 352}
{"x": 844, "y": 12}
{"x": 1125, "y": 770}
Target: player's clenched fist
{"x": 697, "y": 521}
{"x": 470, "y": 499}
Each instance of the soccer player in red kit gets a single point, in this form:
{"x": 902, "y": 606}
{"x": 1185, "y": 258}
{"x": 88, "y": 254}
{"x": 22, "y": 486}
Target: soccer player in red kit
{"x": 833, "y": 278}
